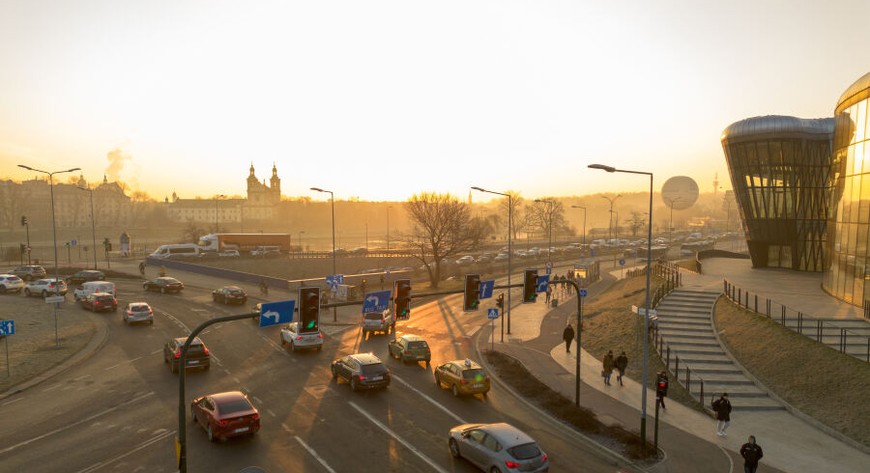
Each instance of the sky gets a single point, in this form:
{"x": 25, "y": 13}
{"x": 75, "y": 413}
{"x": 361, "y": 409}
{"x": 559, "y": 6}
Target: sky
{"x": 379, "y": 100}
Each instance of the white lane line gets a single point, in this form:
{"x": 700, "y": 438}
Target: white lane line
{"x": 147, "y": 443}
{"x": 433, "y": 401}
{"x": 74, "y": 424}
{"x": 256, "y": 399}
{"x": 82, "y": 377}
{"x": 51, "y": 388}
{"x": 156, "y": 351}
{"x": 112, "y": 367}
{"x": 10, "y": 402}
{"x": 135, "y": 359}
{"x": 271, "y": 413}
{"x": 314, "y": 454}
{"x": 730, "y": 460}
{"x": 404, "y": 442}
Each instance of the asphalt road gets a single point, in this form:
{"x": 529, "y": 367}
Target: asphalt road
{"x": 118, "y": 411}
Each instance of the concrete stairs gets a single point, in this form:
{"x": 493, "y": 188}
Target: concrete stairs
{"x": 696, "y": 358}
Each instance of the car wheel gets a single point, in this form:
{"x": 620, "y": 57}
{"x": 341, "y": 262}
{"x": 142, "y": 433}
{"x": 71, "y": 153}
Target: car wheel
{"x": 193, "y": 414}
{"x": 207, "y": 367}
{"x": 211, "y": 437}
{"x": 353, "y": 384}
{"x": 293, "y": 347}
{"x": 455, "y": 390}
{"x": 494, "y": 470}
{"x": 44, "y": 294}
{"x": 151, "y": 322}
{"x": 162, "y": 290}
{"x": 27, "y": 292}
{"x": 320, "y": 347}
{"x": 454, "y": 448}
{"x": 145, "y": 286}
{"x": 437, "y": 380}
{"x": 94, "y": 308}
{"x": 2, "y": 289}
{"x": 334, "y": 374}
{"x": 283, "y": 342}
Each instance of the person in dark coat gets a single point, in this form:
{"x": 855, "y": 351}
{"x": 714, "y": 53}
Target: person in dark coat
{"x": 568, "y": 336}
{"x": 722, "y": 407}
{"x": 607, "y": 366}
{"x": 621, "y": 364}
{"x": 661, "y": 389}
{"x": 751, "y": 453}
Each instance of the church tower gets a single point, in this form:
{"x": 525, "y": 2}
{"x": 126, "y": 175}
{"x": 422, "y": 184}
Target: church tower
{"x": 275, "y": 184}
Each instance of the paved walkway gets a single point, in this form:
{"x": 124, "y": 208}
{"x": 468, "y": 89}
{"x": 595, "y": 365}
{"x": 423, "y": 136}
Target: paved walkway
{"x": 687, "y": 436}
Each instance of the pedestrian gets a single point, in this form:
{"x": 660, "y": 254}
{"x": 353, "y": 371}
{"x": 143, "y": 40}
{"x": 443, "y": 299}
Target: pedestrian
{"x": 722, "y": 406}
{"x": 621, "y": 364}
{"x": 608, "y": 367}
{"x": 549, "y": 292}
{"x": 568, "y": 336}
{"x": 142, "y": 268}
{"x": 751, "y": 453}
{"x": 661, "y": 389}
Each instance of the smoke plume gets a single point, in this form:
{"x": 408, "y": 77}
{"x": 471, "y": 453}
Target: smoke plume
{"x": 116, "y": 159}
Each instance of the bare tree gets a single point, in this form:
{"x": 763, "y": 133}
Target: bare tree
{"x": 636, "y": 222}
{"x": 192, "y": 232}
{"x": 546, "y": 215}
{"x": 442, "y": 227}
{"x": 517, "y": 202}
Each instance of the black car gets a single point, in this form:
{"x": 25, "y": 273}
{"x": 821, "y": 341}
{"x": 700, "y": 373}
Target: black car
{"x": 197, "y": 354}
{"x": 85, "y": 276}
{"x": 230, "y": 295}
{"x": 362, "y": 371}
{"x": 163, "y": 285}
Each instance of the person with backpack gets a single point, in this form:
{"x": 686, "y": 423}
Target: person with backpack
{"x": 751, "y": 453}
{"x": 661, "y": 389}
{"x": 722, "y": 407}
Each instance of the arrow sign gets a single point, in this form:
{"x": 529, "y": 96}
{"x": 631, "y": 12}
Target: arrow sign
{"x": 486, "y": 288}
{"x": 376, "y": 301}
{"x": 274, "y": 313}
{"x": 334, "y": 280}
{"x": 492, "y": 314}
{"x": 7, "y": 327}
{"x": 542, "y": 283}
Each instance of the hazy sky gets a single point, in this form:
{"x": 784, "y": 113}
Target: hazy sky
{"x": 382, "y": 99}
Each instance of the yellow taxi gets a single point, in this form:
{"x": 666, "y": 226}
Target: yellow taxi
{"x": 462, "y": 377}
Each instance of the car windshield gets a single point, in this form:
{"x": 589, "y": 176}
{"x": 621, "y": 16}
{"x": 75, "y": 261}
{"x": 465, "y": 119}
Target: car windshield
{"x": 474, "y": 374}
{"x": 525, "y": 451}
{"x": 373, "y": 369}
{"x": 235, "y": 406}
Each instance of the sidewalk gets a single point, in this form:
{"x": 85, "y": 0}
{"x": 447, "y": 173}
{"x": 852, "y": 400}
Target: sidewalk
{"x": 687, "y": 436}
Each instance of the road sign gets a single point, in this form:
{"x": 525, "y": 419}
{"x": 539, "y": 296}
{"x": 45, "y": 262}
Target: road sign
{"x": 642, "y": 310}
{"x": 51, "y": 299}
{"x": 274, "y": 313}
{"x": 376, "y": 301}
{"x": 7, "y": 327}
{"x": 333, "y": 280}
{"x": 486, "y": 288}
{"x": 492, "y": 314}
{"x": 583, "y": 293}
{"x": 622, "y": 261}
{"x": 549, "y": 267}
{"x": 542, "y": 283}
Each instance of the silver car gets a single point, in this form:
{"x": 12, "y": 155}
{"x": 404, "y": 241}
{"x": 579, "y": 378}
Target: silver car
{"x": 497, "y": 448}
{"x": 292, "y": 337}
{"x": 374, "y": 322}
{"x": 138, "y": 312}
{"x": 10, "y": 283}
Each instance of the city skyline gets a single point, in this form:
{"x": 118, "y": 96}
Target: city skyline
{"x": 380, "y": 101}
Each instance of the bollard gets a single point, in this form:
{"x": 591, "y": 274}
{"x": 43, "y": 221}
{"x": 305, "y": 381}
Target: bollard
{"x": 756, "y": 303}
{"x": 702, "y": 390}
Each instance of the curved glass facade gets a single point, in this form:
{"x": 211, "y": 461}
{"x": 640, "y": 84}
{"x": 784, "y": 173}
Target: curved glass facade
{"x": 847, "y": 267}
{"x": 781, "y": 175}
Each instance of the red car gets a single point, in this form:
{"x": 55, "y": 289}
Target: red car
{"x": 225, "y": 415}
{"x": 98, "y": 301}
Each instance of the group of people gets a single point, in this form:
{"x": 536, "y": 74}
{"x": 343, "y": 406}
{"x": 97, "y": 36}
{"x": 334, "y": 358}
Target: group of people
{"x": 609, "y": 363}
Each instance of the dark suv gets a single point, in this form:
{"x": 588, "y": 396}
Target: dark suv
{"x": 197, "y": 354}
{"x": 29, "y": 272}
{"x": 362, "y": 371}
{"x": 85, "y": 276}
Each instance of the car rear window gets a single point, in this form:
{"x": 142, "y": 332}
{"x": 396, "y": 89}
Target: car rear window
{"x": 105, "y": 298}
{"x": 139, "y": 308}
{"x": 473, "y": 374}
{"x": 525, "y": 451}
{"x": 195, "y": 349}
{"x": 374, "y": 316}
{"x": 235, "y": 406}
{"x": 418, "y": 345}
{"x": 373, "y": 369}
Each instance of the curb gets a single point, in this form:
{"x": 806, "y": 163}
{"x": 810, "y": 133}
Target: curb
{"x": 616, "y": 458}
{"x": 97, "y": 341}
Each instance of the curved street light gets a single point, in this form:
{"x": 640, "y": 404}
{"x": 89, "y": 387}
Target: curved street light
{"x": 584, "y": 221}
{"x": 510, "y": 249}
{"x": 332, "y": 204}
{"x": 93, "y": 221}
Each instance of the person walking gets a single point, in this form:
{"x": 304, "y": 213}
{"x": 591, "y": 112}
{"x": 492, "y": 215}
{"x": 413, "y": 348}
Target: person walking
{"x": 751, "y": 453}
{"x": 549, "y": 293}
{"x": 607, "y": 370}
{"x": 568, "y": 336}
{"x": 661, "y": 389}
{"x": 722, "y": 407}
{"x": 142, "y": 268}
{"x": 621, "y": 364}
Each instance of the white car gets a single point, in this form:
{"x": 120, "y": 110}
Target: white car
{"x": 501, "y": 257}
{"x": 138, "y": 312}
{"x": 465, "y": 260}
{"x": 229, "y": 253}
{"x": 45, "y": 287}
{"x": 10, "y": 283}
{"x": 296, "y": 340}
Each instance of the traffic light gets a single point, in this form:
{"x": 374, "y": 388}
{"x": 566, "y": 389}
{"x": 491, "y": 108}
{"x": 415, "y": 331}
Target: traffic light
{"x": 472, "y": 292}
{"x": 402, "y": 299}
{"x": 23, "y": 220}
{"x": 530, "y": 286}
{"x": 500, "y": 301}
{"x": 309, "y": 309}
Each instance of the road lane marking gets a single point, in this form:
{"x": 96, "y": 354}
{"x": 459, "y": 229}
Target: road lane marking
{"x": 10, "y": 402}
{"x": 314, "y": 454}
{"x": 271, "y": 413}
{"x": 404, "y": 442}
{"x": 433, "y": 401}
{"x": 74, "y": 424}
{"x": 51, "y": 388}
{"x": 147, "y": 443}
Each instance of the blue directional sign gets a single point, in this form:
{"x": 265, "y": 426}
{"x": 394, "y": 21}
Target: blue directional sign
{"x": 492, "y": 314}
{"x": 583, "y": 292}
{"x": 542, "y": 283}
{"x": 486, "y": 288}
{"x": 376, "y": 301}
{"x": 274, "y": 313}
{"x": 7, "y": 327}
{"x": 333, "y": 280}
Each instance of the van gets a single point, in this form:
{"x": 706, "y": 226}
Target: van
{"x": 91, "y": 287}
{"x": 266, "y": 250}
{"x": 183, "y": 250}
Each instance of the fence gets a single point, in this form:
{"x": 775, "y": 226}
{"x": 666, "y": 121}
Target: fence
{"x": 806, "y": 325}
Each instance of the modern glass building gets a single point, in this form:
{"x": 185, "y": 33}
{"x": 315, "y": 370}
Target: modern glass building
{"x": 781, "y": 175}
{"x": 847, "y": 267}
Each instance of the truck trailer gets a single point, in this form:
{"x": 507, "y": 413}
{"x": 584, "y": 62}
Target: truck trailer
{"x": 243, "y": 242}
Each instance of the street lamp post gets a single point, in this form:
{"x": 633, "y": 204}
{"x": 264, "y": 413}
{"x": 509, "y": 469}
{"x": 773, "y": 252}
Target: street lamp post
{"x": 332, "y": 204}
{"x": 301, "y": 248}
{"x": 26, "y": 224}
{"x": 550, "y": 204}
{"x": 647, "y": 307}
{"x": 610, "y": 217}
{"x": 388, "y": 227}
{"x": 584, "y": 221}
{"x": 671, "y": 222}
{"x": 510, "y": 250}
{"x": 93, "y": 222}
{"x": 54, "y": 237}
